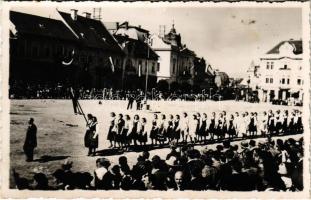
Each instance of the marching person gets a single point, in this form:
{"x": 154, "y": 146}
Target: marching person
{"x": 143, "y": 132}
{"x": 130, "y": 101}
{"x": 219, "y": 125}
{"x": 251, "y": 125}
{"x": 135, "y": 129}
{"x": 176, "y": 128}
{"x": 237, "y": 124}
{"x": 88, "y": 132}
{"x": 162, "y": 130}
{"x": 231, "y": 127}
{"x": 278, "y": 122}
{"x": 170, "y": 127}
{"x": 212, "y": 126}
{"x": 271, "y": 123}
{"x": 184, "y": 127}
{"x": 193, "y": 128}
{"x": 112, "y": 130}
{"x": 125, "y": 139}
{"x": 243, "y": 126}
{"x": 198, "y": 133}
{"x": 285, "y": 123}
{"x": 225, "y": 124}
{"x": 263, "y": 124}
{"x": 119, "y": 128}
{"x": 30, "y": 140}
{"x": 247, "y": 122}
{"x": 93, "y": 137}
{"x": 203, "y": 128}
{"x": 154, "y": 130}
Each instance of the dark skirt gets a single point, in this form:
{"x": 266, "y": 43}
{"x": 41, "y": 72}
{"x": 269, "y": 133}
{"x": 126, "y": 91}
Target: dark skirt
{"x": 278, "y": 126}
{"x": 161, "y": 135}
{"x": 252, "y": 128}
{"x": 87, "y": 138}
{"x": 177, "y": 135}
{"x": 111, "y": 134}
{"x": 232, "y": 131}
{"x": 123, "y": 137}
{"x": 142, "y": 137}
{"x": 153, "y": 133}
{"x": 89, "y": 141}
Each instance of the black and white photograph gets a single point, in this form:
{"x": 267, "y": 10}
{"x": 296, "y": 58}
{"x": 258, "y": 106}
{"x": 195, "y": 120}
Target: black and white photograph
{"x": 162, "y": 97}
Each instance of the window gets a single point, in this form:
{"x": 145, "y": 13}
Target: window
{"x": 158, "y": 67}
{"x": 271, "y": 80}
{"x": 153, "y": 67}
{"x": 299, "y": 81}
{"x": 268, "y": 65}
{"x": 271, "y": 65}
{"x": 283, "y": 80}
{"x": 285, "y": 66}
{"x": 300, "y": 68}
{"x": 267, "y": 80}
{"x": 288, "y": 81}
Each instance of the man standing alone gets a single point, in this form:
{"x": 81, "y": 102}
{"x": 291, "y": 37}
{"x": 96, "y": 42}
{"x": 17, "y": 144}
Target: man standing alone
{"x": 30, "y": 140}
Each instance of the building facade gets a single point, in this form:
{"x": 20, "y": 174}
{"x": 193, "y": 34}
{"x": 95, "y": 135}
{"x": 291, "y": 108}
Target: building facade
{"x": 279, "y": 75}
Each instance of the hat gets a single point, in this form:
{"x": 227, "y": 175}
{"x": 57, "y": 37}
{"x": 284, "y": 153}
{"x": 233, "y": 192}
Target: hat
{"x": 171, "y": 161}
{"x": 244, "y": 144}
{"x": 67, "y": 164}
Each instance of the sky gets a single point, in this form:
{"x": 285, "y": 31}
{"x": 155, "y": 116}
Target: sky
{"x": 229, "y": 38}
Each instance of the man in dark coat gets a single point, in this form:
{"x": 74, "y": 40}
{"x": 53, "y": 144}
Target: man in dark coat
{"x": 31, "y": 140}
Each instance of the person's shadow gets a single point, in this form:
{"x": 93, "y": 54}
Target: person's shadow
{"x": 47, "y": 158}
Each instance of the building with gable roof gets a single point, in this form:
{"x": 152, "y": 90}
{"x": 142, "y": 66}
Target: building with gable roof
{"x": 99, "y": 53}
{"x": 37, "y": 47}
{"x": 279, "y": 75}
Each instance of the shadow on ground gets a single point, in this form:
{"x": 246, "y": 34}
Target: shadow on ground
{"x": 47, "y": 158}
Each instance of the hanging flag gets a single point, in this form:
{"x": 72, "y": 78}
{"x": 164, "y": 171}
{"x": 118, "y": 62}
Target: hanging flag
{"x": 112, "y": 65}
{"x": 139, "y": 70}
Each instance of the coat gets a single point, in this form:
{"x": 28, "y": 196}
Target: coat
{"x": 31, "y": 137}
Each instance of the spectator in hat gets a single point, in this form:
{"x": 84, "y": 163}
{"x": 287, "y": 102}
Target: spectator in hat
{"x": 30, "y": 140}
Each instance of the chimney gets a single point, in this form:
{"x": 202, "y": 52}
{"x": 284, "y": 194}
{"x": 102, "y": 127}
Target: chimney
{"x": 74, "y": 14}
{"x": 87, "y": 15}
{"x": 139, "y": 26}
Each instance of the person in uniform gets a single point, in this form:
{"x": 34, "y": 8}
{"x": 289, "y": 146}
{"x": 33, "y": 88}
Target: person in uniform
{"x": 237, "y": 124}
{"x": 285, "y": 124}
{"x": 30, "y": 140}
{"x": 219, "y": 129}
{"x": 88, "y": 133}
{"x": 112, "y": 130}
{"x": 225, "y": 123}
{"x": 278, "y": 122}
{"x": 154, "y": 130}
{"x": 251, "y": 125}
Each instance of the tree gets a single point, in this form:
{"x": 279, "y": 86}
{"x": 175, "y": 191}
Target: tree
{"x": 162, "y": 85}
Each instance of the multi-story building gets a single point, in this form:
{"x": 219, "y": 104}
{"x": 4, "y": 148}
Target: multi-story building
{"x": 37, "y": 47}
{"x": 176, "y": 60}
{"x": 99, "y": 54}
{"x": 280, "y": 73}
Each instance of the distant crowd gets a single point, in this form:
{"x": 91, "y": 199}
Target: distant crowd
{"x": 59, "y": 91}
{"x": 270, "y": 165}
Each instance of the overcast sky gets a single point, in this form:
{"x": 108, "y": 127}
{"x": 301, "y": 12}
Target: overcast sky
{"x": 228, "y": 38}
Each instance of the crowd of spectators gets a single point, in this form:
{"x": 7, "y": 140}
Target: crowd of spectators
{"x": 270, "y": 165}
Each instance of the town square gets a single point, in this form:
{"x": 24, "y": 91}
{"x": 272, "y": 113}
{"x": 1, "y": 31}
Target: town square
{"x": 200, "y": 98}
